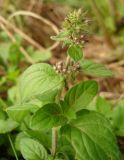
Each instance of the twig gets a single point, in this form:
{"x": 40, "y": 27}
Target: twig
{"x": 29, "y": 59}
{"x": 122, "y": 2}
{"x": 42, "y": 19}
{"x": 22, "y": 34}
{"x": 25, "y": 36}
{"x": 13, "y": 148}
{"x": 110, "y": 95}
{"x": 53, "y": 46}
{"x": 34, "y": 15}
{"x": 32, "y": 4}
{"x": 120, "y": 63}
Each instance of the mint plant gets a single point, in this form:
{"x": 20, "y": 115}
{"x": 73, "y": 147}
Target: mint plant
{"x": 55, "y": 121}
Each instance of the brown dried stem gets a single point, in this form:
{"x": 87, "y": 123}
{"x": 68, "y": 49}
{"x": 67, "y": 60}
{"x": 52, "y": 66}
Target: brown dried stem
{"x": 23, "y": 51}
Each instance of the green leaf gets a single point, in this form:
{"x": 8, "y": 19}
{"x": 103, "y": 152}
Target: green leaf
{"x": 67, "y": 110}
{"x": 91, "y": 68}
{"x": 24, "y": 126}
{"x": 50, "y": 115}
{"x": 12, "y": 73}
{"x": 14, "y": 53}
{"x": 2, "y": 115}
{"x": 18, "y": 139}
{"x": 41, "y": 136}
{"x": 12, "y": 94}
{"x": 92, "y": 137}
{"x": 7, "y": 125}
{"x": 48, "y": 97}
{"x": 59, "y": 159}
{"x": 79, "y": 96}
{"x": 2, "y": 104}
{"x": 75, "y": 52}
{"x": 62, "y": 36}
{"x": 37, "y": 80}
{"x": 32, "y": 150}
{"x": 118, "y": 118}
{"x": 103, "y": 106}
{"x": 4, "y": 51}
{"x": 40, "y": 56}
{"x": 18, "y": 112}
{"x": 65, "y": 149}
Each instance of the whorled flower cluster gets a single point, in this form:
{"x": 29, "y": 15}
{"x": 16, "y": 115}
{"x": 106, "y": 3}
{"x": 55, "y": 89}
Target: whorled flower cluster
{"x": 77, "y": 26}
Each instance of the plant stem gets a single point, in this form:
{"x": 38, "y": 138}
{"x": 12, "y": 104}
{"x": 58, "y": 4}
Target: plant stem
{"x": 67, "y": 61}
{"x": 12, "y": 145}
{"x": 122, "y": 2}
{"x": 113, "y": 9}
{"x": 55, "y": 129}
{"x": 54, "y": 141}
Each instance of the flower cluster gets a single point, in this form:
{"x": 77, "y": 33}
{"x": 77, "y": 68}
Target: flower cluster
{"x": 61, "y": 68}
{"x": 75, "y": 29}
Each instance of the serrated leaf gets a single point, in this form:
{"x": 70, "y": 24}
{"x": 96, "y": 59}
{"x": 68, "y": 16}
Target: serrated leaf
{"x": 32, "y": 150}
{"x": 79, "y": 96}
{"x": 50, "y": 115}
{"x": 38, "y": 79}
{"x": 91, "y": 68}
{"x": 92, "y": 137}
{"x": 75, "y": 52}
{"x": 18, "y": 112}
{"x": 7, "y": 125}
{"x": 118, "y": 118}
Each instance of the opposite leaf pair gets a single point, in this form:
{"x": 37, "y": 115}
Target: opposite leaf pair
{"x": 87, "y": 132}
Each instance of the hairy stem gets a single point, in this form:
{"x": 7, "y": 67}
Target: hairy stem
{"x": 55, "y": 129}
{"x": 13, "y": 148}
{"x": 54, "y": 141}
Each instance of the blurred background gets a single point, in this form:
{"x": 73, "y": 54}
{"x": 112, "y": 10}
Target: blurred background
{"x": 25, "y": 30}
